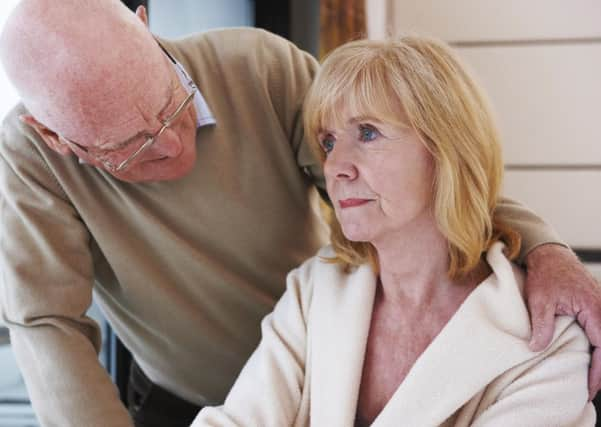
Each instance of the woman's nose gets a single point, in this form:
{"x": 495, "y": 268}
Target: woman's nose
{"x": 339, "y": 164}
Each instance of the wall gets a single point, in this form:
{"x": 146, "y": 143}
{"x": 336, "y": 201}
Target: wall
{"x": 189, "y": 16}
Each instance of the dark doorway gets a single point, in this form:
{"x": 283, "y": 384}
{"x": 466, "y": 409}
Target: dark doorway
{"x": 133, "y": 4}
{"x": 274, "y": 16}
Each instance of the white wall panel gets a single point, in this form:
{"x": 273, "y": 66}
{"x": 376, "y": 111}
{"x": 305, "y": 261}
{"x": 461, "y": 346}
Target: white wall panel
{"x": 475, "y": 20}
{"x": 569, "y": 200}
{"x": 547, "y": 100}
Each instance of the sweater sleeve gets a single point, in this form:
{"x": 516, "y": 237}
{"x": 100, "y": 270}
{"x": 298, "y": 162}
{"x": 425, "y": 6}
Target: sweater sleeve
{"x": 550, "y": 392}
{"x": 290, "y": 74}
{"x": 532, "y": 228}
{"x": 46, "y": 278}
{"x": 269, "y": 390}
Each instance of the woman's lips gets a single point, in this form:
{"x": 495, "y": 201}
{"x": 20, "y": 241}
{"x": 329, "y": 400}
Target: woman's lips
{"x": 350, "y": 203}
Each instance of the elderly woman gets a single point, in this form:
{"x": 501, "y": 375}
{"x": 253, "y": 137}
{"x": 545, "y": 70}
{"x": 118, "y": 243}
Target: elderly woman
{"x": 414, "y": 316}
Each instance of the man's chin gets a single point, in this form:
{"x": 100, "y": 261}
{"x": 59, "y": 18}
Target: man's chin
{"x": 148, "y": 173}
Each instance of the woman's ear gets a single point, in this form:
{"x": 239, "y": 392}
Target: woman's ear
{"x": 51, "y": 139}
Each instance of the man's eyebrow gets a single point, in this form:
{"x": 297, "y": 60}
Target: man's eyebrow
{"x": 124, "y": 143}
{"x": 142, "y": 132}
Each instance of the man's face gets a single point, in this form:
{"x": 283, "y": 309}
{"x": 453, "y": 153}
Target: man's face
{"x": 148, "y": 151}
{"x": 136, "y": 129}
{"x": 101, "y": 95}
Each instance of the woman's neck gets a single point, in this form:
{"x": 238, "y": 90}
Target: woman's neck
{"x": 414, "y": 265}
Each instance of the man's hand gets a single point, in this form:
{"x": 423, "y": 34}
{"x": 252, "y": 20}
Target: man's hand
{"x": 557, "y": 283}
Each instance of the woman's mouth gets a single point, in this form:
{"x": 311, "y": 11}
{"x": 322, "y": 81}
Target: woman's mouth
{"x": 350, "y": 203}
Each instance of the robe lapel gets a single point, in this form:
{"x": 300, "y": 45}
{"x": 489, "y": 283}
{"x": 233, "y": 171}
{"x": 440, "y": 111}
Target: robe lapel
{"x": 341, "y": 316}
{"x": 486, "y": 336}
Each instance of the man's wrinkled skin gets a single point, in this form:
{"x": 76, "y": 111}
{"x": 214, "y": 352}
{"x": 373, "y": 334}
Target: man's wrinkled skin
{"x": 557, "y": 283}
{"x": 96, "y": 103}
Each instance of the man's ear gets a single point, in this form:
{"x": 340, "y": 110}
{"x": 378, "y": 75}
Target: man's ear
{"x": 49, "y": 137}
{"x": 141, "y": 13}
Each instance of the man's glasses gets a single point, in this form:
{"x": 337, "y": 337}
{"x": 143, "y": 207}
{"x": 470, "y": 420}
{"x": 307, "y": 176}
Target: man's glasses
{"x": 149, "y": 142}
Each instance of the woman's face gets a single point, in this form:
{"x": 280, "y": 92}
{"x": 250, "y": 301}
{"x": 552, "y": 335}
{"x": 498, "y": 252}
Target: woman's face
{"x": 379, "y": 178}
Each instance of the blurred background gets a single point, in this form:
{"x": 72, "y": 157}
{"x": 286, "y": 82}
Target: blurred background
{"x": 538, "y": 60}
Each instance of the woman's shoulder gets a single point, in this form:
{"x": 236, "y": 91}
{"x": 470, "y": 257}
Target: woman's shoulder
{"x": 317, "y": 265}
{"x": 507, "y": 272}
{"x": 505, "y": 291}
{"x": 323, "y": 264}
{"x": 322, "y": 274}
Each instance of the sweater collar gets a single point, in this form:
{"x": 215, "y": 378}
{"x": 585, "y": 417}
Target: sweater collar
{"x": 204, "y": 116}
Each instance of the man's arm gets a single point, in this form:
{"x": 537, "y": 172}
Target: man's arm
{"x": 289, "y": 72}
{"x": 533, "y": 230}
{"x": 46, "y": 281}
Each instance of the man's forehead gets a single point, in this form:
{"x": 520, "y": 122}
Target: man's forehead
{"x": 99, "y": 111}
{"x": 81, "y": 82}
{"x": 109, "y": 118}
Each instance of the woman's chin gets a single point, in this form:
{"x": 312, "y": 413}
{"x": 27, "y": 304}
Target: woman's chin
{"x": 356, "y": 234}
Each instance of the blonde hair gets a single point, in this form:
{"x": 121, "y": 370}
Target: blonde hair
{"x": 452, "y": 117}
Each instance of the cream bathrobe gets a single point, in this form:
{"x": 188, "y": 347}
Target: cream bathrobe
{"x": 477, "y": 372}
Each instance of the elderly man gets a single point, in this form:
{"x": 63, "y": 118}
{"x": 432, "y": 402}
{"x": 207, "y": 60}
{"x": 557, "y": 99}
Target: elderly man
{"x": 171, "y": 178}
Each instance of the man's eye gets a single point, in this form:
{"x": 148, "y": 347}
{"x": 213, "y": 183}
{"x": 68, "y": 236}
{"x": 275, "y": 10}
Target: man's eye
{"x": 368, "y": 133}
{"x": 327, "y": 143}
{"x": 117, "y": 152}
{"x": 143, "y": 140}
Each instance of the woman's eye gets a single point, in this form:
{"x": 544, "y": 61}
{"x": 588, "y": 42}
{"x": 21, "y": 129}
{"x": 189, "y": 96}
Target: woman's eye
{"x": 368, "y": 133}
{"x": 327, "y": 143}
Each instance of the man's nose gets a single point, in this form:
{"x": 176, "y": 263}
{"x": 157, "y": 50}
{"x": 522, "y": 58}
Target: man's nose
{"x": 169, "y": 144}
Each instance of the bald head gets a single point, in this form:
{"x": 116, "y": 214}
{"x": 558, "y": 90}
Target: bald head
{"x": 80, "y": 64}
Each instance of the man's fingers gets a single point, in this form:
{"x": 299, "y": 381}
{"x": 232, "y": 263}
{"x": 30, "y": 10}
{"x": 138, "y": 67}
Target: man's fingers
{"x": 590, "y": 320}
{"x": 594, "y": 374}
{"x": 543, "y": 327}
